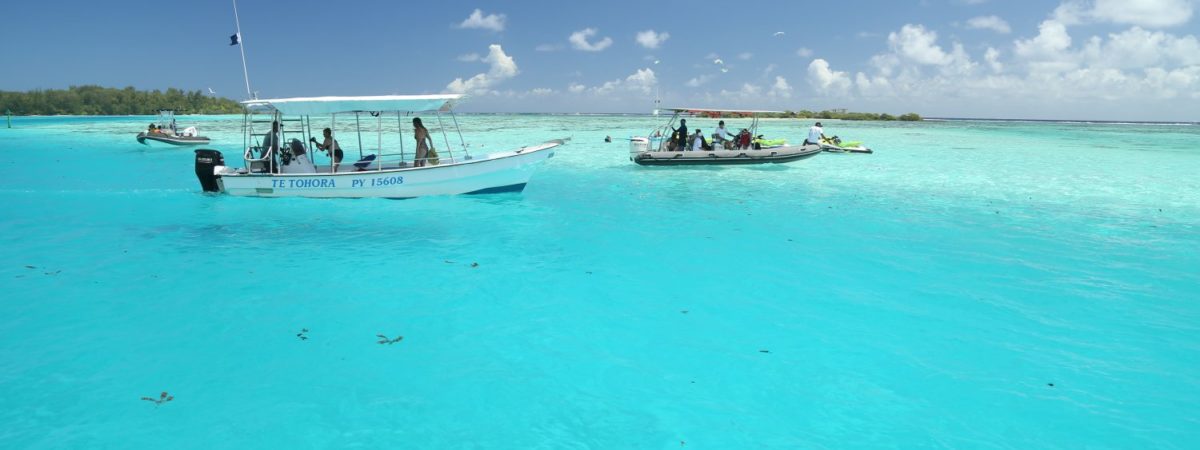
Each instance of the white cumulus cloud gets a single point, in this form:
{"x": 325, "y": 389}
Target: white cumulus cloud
{"x": 641, "y": 82}
{"x": 652, "y": 39}
{"x": 825, "y": 80}
{"x": 698, "y": 81}
{"x": 992, "y": 56}
{"x": 579, "y": 40}
{"x": 502, "y": 68}
{"x": 494, "y": 22}
{"x": 1146, "y": 13}
{"x": 1134, "y": 74}
{"x": 993, "y": 23}
{"x": 916, "y": 43}
{"x": 781, "y": 88}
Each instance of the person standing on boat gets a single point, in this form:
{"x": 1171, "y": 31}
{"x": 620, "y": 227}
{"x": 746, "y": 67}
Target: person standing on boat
{"x": 270, "y": 146}
{"x": 815, "y": 135}
{"x": 424, "y": 142}
{"x": 682, "y": 135}
{"x": 330, "y": 147}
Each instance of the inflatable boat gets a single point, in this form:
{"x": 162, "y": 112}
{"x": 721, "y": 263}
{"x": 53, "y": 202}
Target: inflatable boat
{"x": 147, "y": 138}
{"x": 714, "y": 157}
{"x": 658, "y": 149}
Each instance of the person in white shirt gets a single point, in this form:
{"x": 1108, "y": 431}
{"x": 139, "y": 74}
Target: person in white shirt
{"x": 723, "y": 134}
{"x": 815, "y": 135}
{"x": 698, "y": 141}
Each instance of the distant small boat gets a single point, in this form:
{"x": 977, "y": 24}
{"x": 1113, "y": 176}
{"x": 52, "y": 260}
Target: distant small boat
{"x": 172, "y": 140}
{"x": 658, "y": 149}
{"x": 166, "y": 133}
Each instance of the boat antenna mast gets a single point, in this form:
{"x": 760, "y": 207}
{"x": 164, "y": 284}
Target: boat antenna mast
{"x": 657, "y": 100}
{"x": 242, "y": 47}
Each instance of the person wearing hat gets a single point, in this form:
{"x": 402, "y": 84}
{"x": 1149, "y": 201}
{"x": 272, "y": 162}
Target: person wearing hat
{"x": 815, "y": 135}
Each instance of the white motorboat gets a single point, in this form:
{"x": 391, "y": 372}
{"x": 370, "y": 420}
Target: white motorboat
{"x": 165, "y": 132}
{"x": 388, "y": 170}
{"x": 660, "y": 149}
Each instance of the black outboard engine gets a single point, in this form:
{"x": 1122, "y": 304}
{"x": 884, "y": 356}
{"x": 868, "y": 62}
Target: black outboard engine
{"x": 206, "y": 160}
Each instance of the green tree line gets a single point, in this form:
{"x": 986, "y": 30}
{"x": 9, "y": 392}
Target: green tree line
{"x": 843, "y": 115}
{"x": 98, "y": 100}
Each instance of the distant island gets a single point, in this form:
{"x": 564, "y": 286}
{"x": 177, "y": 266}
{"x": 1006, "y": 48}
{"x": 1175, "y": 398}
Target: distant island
{"x": 842, "y": 114}
{"x": 839, "y": 114}
{"x": 97, "y": 100}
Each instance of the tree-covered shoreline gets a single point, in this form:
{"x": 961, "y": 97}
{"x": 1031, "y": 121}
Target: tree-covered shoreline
{"x": 97, "y": 100}
{"x": 849, "y": 115}
{"x": 839, "y": 114}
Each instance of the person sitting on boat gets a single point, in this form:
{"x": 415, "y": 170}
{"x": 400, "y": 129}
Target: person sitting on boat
{"x": 153, "y": 129}
{"x": 673, "y": 143}
{"x": 743, "y": 139}
{"x": 424, "y": 142}
{"x": 682, "y": 135}
{"x": 815, "y": 135}
{"x": 698, "y": 142}
{"x": 331, "y": 147}
{"x": 722, "y": 135}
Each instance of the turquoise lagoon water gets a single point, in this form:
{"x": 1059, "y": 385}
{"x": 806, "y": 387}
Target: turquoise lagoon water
{"x": 970, "y": 285}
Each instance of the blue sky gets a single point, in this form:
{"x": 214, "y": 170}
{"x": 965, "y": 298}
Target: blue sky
{"x": 1085, "y": 59}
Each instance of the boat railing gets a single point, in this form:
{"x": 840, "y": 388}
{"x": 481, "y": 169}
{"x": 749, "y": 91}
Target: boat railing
{"x": 383, "y": 147}
{"x": 258, "y": 165}
{"x": 659, "y": 137}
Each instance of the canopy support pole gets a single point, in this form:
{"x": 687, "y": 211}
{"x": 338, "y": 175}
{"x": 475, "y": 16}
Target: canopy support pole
{"x": 333, "y": 136}
{"x": 379, "y": 138}
{"x": 358, "y": 129}
{"x": 449, "y": 151}
{"x": 400, "y": 129}
{"x": 460, "y": 136}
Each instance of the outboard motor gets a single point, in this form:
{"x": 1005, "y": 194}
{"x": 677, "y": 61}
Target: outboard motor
{"x": 206, "y": 161}
{"x": 638, "y": 145}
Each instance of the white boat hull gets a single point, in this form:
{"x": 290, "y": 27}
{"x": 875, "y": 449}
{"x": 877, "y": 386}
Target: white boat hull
{"x": 496, "y": 172}
{"x": 837, "y": 149}
{"x": 639, "y": 153}
{"x": 168, "y": 140}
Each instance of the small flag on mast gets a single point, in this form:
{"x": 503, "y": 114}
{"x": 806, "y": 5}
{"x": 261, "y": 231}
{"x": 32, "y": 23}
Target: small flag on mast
{"x": 235, "y": 39}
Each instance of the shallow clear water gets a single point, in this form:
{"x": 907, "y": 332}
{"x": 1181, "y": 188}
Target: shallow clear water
{"x": 969, "y": 285}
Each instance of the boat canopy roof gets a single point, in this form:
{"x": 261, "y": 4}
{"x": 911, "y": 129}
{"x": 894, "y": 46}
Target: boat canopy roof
{"x": 332, "y": 105}
{"x": 720, "y": 110}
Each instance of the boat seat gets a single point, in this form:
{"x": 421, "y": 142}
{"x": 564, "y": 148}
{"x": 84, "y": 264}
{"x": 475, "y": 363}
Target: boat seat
{"x": 259, "y": 167}
{"x": 363, "y": 163}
